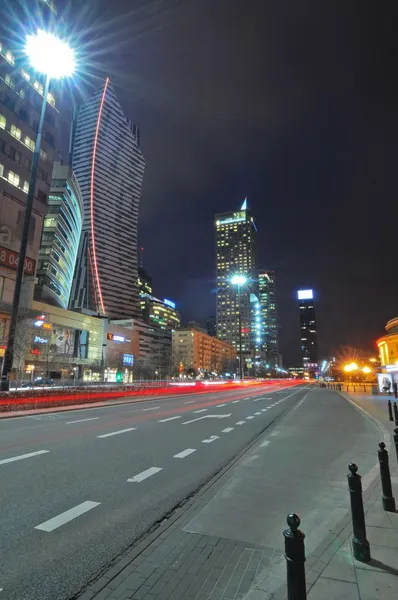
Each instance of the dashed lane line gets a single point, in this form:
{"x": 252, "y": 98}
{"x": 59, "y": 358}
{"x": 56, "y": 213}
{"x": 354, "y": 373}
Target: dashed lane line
{"x": 247, "y": 418}
{"x": 185, "y": 453}
{"x": 106, "y": 435}
{"x": 220, "y": 405}
{"x": 241, "y": 423}
{"x": 152, "y": 408}
{"x": 211, "y": 439}
{"x": 81, "y": 420}
{"x": 169, "y": 419}
{"x": 228, "y": 430}
{"x": 22, "y": 456}
{"x": 201, "y": 410}
{"x": 235, "y": 401}
{"x": 67, "y": 516}
{"x": 144, "y": 474}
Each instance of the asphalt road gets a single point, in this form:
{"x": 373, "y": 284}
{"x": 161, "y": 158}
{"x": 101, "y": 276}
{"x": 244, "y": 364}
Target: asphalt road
{"x": 78, "y": 487}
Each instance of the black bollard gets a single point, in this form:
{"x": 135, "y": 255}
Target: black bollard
{"x": 390, "y": 417}
{"x": 395, "y": 413}
{"x": 295, "y": 559}
{"x": 388, "y": 498}
{"x": 396, "y": 440}
{"x": 359, "y": 542}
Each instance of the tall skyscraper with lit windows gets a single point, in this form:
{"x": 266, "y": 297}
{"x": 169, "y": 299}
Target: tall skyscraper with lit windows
{"x": 109, "y": 166}
{"x": 235, "y": 254}
{"x": 309, "y": 349}
{"x": 266, "y": 290}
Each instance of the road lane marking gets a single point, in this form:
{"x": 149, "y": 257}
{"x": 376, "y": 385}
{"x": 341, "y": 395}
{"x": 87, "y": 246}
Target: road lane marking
{"x": 81, "y": 420}
{"x": 184, "y": 453}
{"x": 154, "y": 408}
{"x": 189, "y": 401}
{"x": 67, "y": 516}
{"x": 22, "y": 456}
{"x": 145, "y": 474}
{"x": 228, "y": 429}
{"x": 241, "y": 423}
{"x": 264, "y": 409}
{"x": 235, "y": 401}
{"x": 169, "y": 419}
{"x": 208, "y": 417}
{"x": 249, "y": 417}
{"x": 211, "y": 439}
{"x": 201, "y": 410}
{"x": 257, "y": 413}
{"x": 220, "y": 405}
{"x": 274, "y": 433}
{"x": 264, "y": 444}
{"x": 105, "y": 435}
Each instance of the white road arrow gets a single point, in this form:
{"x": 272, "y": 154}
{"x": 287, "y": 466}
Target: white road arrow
{"x": 208, "y": 417}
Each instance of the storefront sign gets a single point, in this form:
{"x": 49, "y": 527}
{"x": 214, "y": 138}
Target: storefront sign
{"x": 116, "y": 338}
{"x": 10, "y": 259}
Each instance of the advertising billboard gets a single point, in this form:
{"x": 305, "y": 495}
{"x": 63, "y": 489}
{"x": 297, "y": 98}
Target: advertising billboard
{"x": 385, "y": 382}
{"x": 305, "y": 294}
{"x": 62, "y": 341}
{"x": 11, "y": 223}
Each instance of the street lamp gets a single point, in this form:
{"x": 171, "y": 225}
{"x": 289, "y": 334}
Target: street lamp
{"x": 55, "y": 59}
{"x": 239, "y": 281}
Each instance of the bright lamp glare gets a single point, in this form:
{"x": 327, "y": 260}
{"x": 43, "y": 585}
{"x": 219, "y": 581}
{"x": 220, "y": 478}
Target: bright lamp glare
{"x": 239, "y": 280}
{"x": 50, "y": 55}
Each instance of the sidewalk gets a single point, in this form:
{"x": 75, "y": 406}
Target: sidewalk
{"x": 214, "y": 547}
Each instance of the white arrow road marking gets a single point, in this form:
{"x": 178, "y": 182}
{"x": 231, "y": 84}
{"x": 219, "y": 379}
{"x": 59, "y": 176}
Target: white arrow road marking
{"x": 201, "y": 410}
{"x": 208, "y": 417}
{"x": 67, "y": 516}
{"x": 145, "y": 474}
{"x": 105, "y": 435}
{"x": 220, "y": 405}
{"x": 169, "y": 419}
{"x": 241, "y": 423}
{"x": 184, "y": 453}
{"x": 228, "y": 429}
{"x": 211, "y": 439}
{"x": 22, "y": 456}
{"x": 81, "y": 420}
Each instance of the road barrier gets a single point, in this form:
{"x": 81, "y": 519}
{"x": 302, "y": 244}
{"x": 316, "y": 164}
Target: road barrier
{"x": 390, "y": 417}
{"x": 295, "y": 559}
{"x": 388, "y": 498}
{"x": 395, "y": 414}
{"x": 360, "y": 544}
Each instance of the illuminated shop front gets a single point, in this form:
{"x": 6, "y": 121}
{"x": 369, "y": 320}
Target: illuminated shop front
{"x": 388, "y": 351}
{"x": 120, "y": 351}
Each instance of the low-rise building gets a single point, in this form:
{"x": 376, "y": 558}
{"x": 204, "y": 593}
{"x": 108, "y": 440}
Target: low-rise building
{"x": 388, "y": 351}
{"x": 159, "y": 313}
{"x": 195, "y": 350}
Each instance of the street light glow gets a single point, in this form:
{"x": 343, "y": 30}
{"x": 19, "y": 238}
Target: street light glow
{"x": 239, "y": 280}
{"x": 366, "y": 370}
{"x": 351, "y": 367}
{"x": 50, "y": 55}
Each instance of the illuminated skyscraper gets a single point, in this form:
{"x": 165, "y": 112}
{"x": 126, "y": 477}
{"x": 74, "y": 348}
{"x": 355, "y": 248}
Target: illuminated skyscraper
{"x": 109, "y": 166}
{"x": 235, "y": 254}
{"x": 266, "y": 289}
{"x": 309, "y": 348}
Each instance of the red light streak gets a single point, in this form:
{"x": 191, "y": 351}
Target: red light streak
{"x": 92, "y": 196}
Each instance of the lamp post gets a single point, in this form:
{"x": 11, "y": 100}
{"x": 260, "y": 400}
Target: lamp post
{"x": 239, "y": 281}
{"x": 55, "y": 59}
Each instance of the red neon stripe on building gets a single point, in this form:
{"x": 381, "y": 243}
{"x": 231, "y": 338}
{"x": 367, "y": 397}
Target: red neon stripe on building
{"x": 92, "y": 277}
{"x": 92, "y": 197}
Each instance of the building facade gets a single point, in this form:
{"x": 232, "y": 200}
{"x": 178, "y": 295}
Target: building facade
{"x": 144, "y": 282}
{"x": 160, "y": 313}
{"x": 60, "y": 238}
{"x": 21, "y": 97}
{"x": 109, "y": 166}
{"x": 309, "y": 349}
{"x": 266, "y": 292}
{"x": 211, "y": 326}
{"x": 388, "y": 352}
{"x": 195, "y": 350}
{"x": 235, "y": 255}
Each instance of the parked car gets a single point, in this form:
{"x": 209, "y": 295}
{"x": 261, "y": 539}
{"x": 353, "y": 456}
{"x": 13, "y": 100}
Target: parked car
{"x": 44, "y": 381}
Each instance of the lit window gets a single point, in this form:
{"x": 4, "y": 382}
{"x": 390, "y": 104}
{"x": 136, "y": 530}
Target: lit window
{"x": 25, "y": 74}
{"x": 16, "y": 132}
{"x": 1, "y": 170}
{"x": 3, "y": 122}
{"x": 9, "y": 81}
{"x": 22, "y": 93}
{"x": 29, "y": 143}
{"x": 43, "y": 154}
{"x": 13, "y": 178}
{"x": 10, "y": 57}
{"x": 50, "y": 99}
{"x": 38, "y": 86}
{"x": 26, "y": 186}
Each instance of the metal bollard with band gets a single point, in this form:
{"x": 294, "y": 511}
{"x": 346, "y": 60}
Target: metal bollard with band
{"x": 388, "y": 498}
{"x": 295, "y": 559}
{"x": 360, "y": 544}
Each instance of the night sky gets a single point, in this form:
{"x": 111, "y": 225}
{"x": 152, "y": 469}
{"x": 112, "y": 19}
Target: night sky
{"x": 291, "y": 103}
